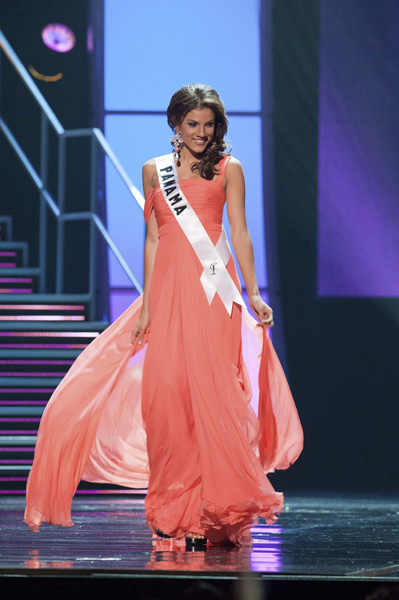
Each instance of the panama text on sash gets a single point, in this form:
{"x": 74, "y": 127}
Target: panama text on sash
{"x": 215, "y": 277}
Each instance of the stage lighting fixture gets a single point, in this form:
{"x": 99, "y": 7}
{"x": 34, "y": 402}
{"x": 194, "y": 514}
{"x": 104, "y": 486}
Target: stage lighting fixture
{"x": 58, "y": 37}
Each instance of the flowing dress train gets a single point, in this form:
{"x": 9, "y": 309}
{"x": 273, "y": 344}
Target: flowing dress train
{"x": 176, "y": 415}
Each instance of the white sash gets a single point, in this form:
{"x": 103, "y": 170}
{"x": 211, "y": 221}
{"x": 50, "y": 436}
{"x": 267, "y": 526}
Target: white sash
{"x": 215, "y": 277}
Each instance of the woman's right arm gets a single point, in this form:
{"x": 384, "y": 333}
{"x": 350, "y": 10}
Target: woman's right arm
{"x": 150, "y": 248}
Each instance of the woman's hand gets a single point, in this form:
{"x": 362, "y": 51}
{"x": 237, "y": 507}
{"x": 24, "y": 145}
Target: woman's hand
{"x": 141, "y": 325}
{"x": 262, "y": 310}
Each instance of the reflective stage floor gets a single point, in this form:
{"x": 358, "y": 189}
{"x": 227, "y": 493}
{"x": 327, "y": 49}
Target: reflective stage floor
{"x": 315, "y": 539}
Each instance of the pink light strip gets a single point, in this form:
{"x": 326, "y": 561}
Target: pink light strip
{"x": 16, "y": 279}
{"x": 144, "y": 491}
{"x": 116, "y": 492}
{"x": 23, "y": 402}
{"x": 16, "y": 290}
{"x": 45, "y": 346}
{"x": 23, "y": 390}
{"x": 31, "y": 374}
{"x": 8, "y": 253}
{"x": 41, "y": 307}
{"x": 8, "y": 265}
{"x": 13, "y": 478}
{"x": 41, "y": 318}
{"x": 79, "y": 334}
{"x": 23, "y": 361}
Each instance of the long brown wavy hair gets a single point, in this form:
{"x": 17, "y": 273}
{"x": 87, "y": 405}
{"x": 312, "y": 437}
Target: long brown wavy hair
{"x": 191, "y": 97}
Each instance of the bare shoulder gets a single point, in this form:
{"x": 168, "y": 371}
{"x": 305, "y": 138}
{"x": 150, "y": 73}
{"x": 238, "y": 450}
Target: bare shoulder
{"x": 234, "y": 162}
{"x": 234, "y": 168}
{"x": 149, "y": 167}
{"x": 150, "y": 177}
{"x": 234, "y": 171}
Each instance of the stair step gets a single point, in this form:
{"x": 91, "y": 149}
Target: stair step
{"x": 22, "y": 455}
{"x": 18, "y": 280}
{"x": 34, "y": 368}
{"x": 16, "y": 285}
{"x": 47, "y": 298}
{"x": 10, "y": 258}
{"x": 29, "y": 382}
{"x": 19, "y": 271}
{"x": 39, "y": 354}
{"x": 25, "y": 311}
{"x": 19, "y": 426}
{"x": 25, "y": 468}
{"x": 17, "y": 440}
{"x": 21, "y": 411}
{"x": 21, "y": 249}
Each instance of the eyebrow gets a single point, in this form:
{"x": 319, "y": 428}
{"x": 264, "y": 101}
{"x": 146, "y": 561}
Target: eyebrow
{"x": 196, "y": 122}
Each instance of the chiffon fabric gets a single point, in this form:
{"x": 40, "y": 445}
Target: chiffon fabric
{"x": 182, "y": 413}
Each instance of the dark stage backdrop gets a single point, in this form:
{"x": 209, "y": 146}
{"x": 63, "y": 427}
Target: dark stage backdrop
{"x": 22, "y": 22}
{"x": 335, "y": 93}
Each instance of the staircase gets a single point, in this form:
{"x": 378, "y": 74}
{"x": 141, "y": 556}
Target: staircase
{"x": 40, "y": 336}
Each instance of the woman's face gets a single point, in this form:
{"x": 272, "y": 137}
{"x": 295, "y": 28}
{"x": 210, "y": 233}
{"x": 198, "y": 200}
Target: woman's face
{"x": 197, "y": 129}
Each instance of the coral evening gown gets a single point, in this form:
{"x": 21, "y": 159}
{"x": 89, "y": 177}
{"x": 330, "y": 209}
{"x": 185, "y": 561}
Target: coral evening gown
{"x": 177, "y": 414}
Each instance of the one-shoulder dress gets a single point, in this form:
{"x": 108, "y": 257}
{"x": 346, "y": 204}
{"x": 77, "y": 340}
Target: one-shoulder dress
{"x": 199, "y": 413}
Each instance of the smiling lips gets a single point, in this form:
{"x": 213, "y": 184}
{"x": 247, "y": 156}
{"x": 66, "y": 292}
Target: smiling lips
{"x": 200, "y": 141}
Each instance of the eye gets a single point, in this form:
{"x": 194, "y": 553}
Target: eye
{"x": 191, "y": 123}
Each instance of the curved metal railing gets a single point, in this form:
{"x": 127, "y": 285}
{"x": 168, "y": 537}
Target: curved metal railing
{"x": 57, "y": 206}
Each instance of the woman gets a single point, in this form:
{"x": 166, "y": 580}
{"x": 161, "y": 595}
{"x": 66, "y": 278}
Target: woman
{"x": 200, "y": 446}
{"x": 196, "y": 486}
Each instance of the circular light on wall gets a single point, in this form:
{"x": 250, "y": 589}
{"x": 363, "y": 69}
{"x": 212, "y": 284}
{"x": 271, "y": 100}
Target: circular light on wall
{"x": 58, "y": 37}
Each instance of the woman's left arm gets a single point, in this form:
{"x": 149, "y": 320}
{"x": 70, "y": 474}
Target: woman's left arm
{"x": 241, "y": 239}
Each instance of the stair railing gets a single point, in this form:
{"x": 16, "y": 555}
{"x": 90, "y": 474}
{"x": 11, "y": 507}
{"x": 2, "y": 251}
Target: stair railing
{"x": 57, "y": 207}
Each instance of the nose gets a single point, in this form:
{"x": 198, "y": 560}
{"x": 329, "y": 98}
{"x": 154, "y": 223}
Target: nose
{"x": 202, "y": 130}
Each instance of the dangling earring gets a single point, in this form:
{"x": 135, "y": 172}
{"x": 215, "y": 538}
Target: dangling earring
{"x": 177, "y": 143}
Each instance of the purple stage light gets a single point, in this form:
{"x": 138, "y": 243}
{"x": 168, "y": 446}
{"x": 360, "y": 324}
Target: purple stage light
{"x": 31, "y": 374}
{"x": 21, "y": 361}
{"x": 15, "y": 280}
{"x": 58, "y": 37}
{"x": 79, "y": 334}
{"x": 91, "y": 492}
{"x": 16, "y": 449}
{"x": 19, "y": 419}
{"x": 90, "y": 39}
{"x": 41, "y": 318}
{"x": 44, "y": 346}
{"x": 26, "y": 390}
{"x": 22, "y": 403}
{"x": 41, "y": 306}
